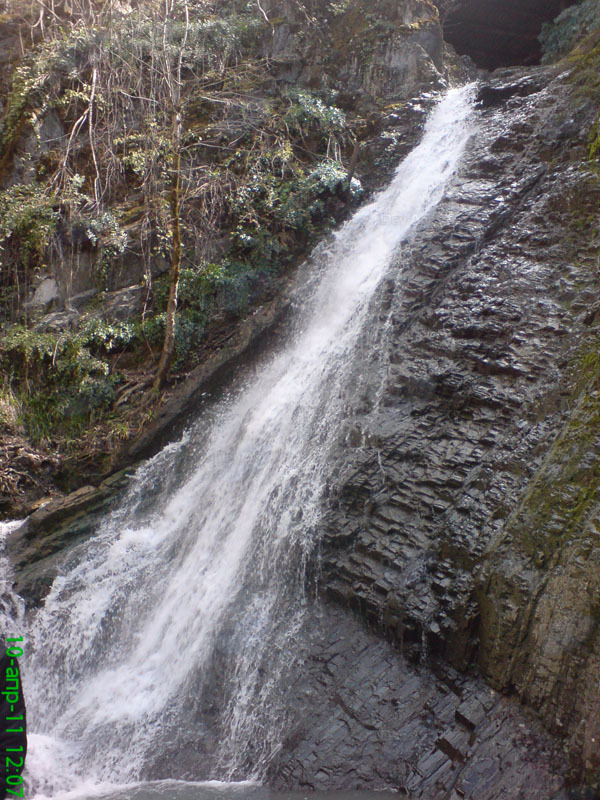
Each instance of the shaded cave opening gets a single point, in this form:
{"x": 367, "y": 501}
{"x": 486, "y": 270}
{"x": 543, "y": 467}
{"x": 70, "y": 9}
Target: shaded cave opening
{"x": 499, "y": 33}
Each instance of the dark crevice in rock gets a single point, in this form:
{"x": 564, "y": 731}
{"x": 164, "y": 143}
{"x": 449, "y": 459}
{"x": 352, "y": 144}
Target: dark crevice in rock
{"x": 499, "y": 33}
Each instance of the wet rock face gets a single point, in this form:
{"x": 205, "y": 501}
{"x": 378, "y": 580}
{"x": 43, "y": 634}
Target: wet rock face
{"x": 499, "y": 33}
{"x": 55, "y": 527}
{"x": 463, "y": 506}
{"x": 366, "y": 719}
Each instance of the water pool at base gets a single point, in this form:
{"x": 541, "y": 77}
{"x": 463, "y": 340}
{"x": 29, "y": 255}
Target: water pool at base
{"x": 215, "y": 790}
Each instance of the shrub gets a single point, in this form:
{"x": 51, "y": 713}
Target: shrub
{"x": 57, "y": 385}
{"x": 307, "y": 110}
{"x": 560, "y": 36}
{"x": 102, "y": 338}
{"x": 27, "y": 213}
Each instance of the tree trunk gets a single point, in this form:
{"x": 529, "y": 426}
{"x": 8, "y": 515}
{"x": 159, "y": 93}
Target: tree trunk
{"x": 172, "y": 85}
{"x": 170, "y": 322}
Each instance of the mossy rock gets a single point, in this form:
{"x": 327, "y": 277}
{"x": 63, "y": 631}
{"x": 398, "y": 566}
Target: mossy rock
{"x": 585, "y": 60}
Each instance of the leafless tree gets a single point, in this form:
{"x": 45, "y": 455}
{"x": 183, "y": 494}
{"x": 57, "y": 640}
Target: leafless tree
{"x": 171, "y": 80}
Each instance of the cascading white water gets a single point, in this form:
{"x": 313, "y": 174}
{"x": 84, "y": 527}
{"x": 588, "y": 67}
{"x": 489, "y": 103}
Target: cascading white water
{"x": 169, "y": 631}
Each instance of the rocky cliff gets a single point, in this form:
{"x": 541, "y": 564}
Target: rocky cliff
{"x": 461, "y": 519}
{"x": 462, "y": 514}
{"x": 463, "y": 509}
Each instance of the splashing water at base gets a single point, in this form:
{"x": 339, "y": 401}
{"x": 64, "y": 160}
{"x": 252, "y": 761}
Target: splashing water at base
{"x": 161, "y": 645}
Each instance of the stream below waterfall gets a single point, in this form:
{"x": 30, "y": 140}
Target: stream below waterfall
{"x": 165, "y": 644}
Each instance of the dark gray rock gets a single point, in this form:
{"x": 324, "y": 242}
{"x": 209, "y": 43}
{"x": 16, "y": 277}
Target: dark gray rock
{"x": 386, "y": 56}
{"x": 366, "y": 718}
{"x": 448, "y": 525}
{"x": 497, "y": 91}
{"x": 53, "y": 528}
{"x": 124, "y": 304}
{"x": 82, "y": 299}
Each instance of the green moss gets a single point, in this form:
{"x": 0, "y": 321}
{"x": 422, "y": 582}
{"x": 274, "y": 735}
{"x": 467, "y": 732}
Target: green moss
{"x": 585, "y": 62}
{"x": 566, "y": 490}
{"x": 347, "y": 28}
{"x": 594, "y": 142}
{"x": 559, "y": 37}
{"x": 131, "y": 215}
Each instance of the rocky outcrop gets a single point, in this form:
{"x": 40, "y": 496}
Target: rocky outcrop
{"x": 364, "y": 718}
{"x": 53, "y": 528}
{"x": 369, "y": 51}
{"x": 463, "y": 508}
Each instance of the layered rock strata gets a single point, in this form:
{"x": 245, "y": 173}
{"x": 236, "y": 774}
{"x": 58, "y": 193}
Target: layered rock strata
{"x": 464, "y": 502}
{"x": 364, "y": 718}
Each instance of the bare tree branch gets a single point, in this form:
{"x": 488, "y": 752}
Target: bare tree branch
{"x": 262, "y": 11}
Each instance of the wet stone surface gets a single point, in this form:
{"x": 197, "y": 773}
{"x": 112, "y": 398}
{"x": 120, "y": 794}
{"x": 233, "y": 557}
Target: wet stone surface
{"x": 366, "y": 718}
{"x": 460, "y": 397}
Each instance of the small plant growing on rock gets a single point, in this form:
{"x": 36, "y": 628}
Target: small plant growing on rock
{"x": 560, "y": 36}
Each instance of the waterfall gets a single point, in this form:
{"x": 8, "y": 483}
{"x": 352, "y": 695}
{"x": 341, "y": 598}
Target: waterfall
{"x": 162, "y": 645}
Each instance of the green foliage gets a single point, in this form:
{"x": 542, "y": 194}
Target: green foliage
{"x": 10, "y": 409}
{"x": 560, "y": 36}
{"x": 240, "y": 284}
{"x": 189, "y": 331}
{"x": 228, "y": 285}
{"x": 307, "y": 110}
{"x": 188, "y": 335}
{"x": 121, "y": 66}
{"x": 329, "y": 176}
{"x": 141, "y": 150}
{"x": 60, "y": 386}
{"x": 103, "y": 229}
{"x": 195, "y": 306}
{"x": 37, "y": 79}
{"x": 585, "y": 75}
{"x": 213, "y": 41}
{"x": 195, "y": 288}
{"x": 216, "y": 40}
{"x": 51, "y": 357}
{"x": 594, "y": 145}
{"x": 268, "y": 203}
{"x": 153, "y": 329}
{"x": 263, "y": 171}
{"x": 101, "y": 337}
{"x": 95, "y": 395}
{"x": 27, "y": 216}
{"x": 340, "y": 7}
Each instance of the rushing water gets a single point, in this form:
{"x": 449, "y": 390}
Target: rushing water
{"x": 161, "y": 646}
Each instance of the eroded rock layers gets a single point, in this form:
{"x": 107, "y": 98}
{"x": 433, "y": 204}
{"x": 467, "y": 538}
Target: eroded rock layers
{"x": 463, "y": 509}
